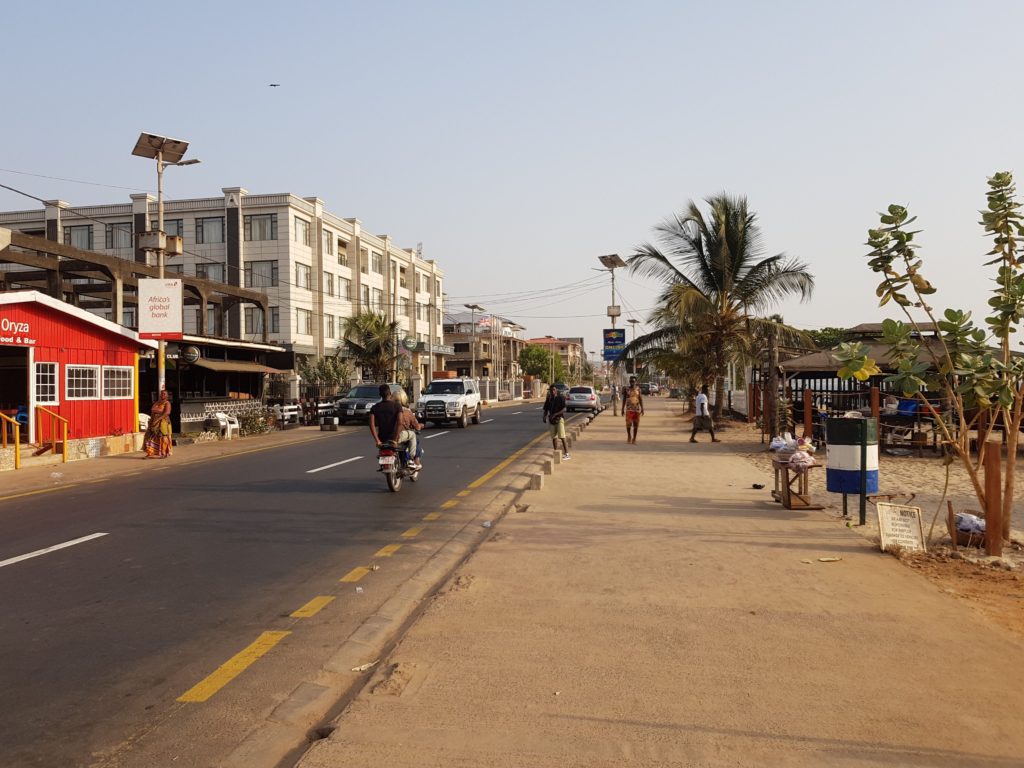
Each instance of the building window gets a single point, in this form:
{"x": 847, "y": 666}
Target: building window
{"x": 212, "y": 328}
{"x": 174, "y": 269}
{"x": 79, "y": 236}
{"x": 425, "y": 283}
{"x": 210, "y": 230}
{"x": 46, "y": 384}
{"x": 119, "y": 235}
{"x": 128, "y": 317}
{"x": 419, "y": 311}
{"x": 437, "y": 287}
{"x": 82, "y": 382}
{"x": 260, "y": 226}
{"x": 402, "y": 281}
{"x": 254, "y": 320}
{"x": 342, "y": 252}
{"x": 364, "y": 294}
{"x": 301, "y": 231}
{"x": 118, "y": 383}
{"x": 303, "y": 276}
{"x": 328, "y": 284}
{"x": 364, "y": 261}
{"x": 304, "y": 321}
{"x": 275, "y": 319}
{"x": 461, "y": 349}
{"x": 329, "y": 326}
{"x": 377, "y": 262}
{"x": 174, "y": 227}
{"x": 378, "y": 299}
{"x": 403, "y": 306}
{"x": 210, "y": 271}
{"x": 328, "y": 242}
{"x": 344, "y": 288}
{"x": 260, "y": 274}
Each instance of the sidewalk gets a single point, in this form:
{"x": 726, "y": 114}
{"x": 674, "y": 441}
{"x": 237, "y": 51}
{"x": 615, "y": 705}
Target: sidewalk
{"x": 649, "y": 608}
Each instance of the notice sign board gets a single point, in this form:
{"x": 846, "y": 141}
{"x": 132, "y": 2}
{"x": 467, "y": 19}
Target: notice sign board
{"x": 159, "y": 308}
{"x": 614, "y": 343}
{"x": 900, "y": 526}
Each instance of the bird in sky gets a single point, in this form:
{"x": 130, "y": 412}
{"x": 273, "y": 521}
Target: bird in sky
{"x": 275, "y": 85}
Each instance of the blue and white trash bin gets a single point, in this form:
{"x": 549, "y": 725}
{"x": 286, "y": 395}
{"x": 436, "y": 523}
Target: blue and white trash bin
{"x": 852, "y": 445}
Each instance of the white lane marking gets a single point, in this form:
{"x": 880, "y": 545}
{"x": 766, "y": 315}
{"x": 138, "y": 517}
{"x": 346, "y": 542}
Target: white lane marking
{"x": 335, "y": 464}
{"x": 436, "y": 434}
{"x": 517, "y": 413}
{"x": 486, "y": 421}
{"x": 54, "y": 548}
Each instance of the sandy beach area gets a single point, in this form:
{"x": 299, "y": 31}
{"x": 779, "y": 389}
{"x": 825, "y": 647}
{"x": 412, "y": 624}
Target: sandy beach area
{"x": 996, "y": 589}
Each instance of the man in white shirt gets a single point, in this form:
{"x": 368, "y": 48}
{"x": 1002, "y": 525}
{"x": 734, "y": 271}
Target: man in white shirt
{"x": 702, "y": 418}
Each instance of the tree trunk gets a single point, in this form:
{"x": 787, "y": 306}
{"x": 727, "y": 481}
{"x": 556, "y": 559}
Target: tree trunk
{"x": 771, "y": 405}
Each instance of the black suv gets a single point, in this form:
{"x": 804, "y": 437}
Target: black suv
{"x": 356, "y": 405}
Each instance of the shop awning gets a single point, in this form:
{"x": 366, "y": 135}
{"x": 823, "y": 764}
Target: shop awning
{"x": 235, "y": 366}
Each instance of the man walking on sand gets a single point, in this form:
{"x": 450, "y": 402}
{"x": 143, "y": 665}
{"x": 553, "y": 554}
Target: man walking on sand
{"x": 554, "y": 415}
{"x": 702, "y": 418}
{"x": 633, "y": 408}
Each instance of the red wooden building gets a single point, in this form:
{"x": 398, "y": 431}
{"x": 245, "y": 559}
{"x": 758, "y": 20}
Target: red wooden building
{"x": 60, "y": 358}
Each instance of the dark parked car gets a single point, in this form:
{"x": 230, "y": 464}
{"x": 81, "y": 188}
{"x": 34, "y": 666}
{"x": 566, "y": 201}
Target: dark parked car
{"x": 563, "y": 389}
{"x": 356, "y": 405}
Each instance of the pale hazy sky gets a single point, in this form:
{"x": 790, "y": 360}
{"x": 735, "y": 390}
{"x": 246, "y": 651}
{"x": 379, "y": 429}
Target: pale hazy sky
{"x": 519, "y": 141}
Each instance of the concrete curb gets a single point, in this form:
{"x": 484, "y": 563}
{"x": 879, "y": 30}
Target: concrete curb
{"x": 305, "y": 715}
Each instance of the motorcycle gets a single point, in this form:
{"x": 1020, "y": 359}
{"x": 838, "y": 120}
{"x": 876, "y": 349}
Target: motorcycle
{"x": 393, "y": 460}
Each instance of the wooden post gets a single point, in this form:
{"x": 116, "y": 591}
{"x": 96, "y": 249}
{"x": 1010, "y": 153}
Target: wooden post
{"x": 951, "y": 522}
{"x": 875, "y": 411}
{"x": 993, "y": 498}
{"x": 751, "y": 416}
{"x": 808, "y": 414}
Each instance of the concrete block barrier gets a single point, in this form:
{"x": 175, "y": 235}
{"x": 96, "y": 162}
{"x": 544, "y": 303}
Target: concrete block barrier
{"x": 536, "y": 481}
{"x": 548, "y": 467}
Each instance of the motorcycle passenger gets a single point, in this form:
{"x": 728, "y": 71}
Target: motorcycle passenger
{"x": 409, "y": 426}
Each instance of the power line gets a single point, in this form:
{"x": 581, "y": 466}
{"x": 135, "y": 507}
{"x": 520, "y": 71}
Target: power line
{"x": 74, "y": 181}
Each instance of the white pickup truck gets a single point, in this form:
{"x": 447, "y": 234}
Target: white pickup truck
{"x": 447, "y": 400}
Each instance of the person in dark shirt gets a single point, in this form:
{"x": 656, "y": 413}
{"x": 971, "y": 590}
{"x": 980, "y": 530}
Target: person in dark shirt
{"x": 385, "y": 417}
{"x": 554, "y": 415}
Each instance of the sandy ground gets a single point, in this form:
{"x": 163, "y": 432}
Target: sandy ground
{"x": 649, "y": 608}
{"x": 993, "y": 590}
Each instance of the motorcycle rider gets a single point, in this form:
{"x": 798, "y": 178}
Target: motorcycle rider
{"x": 386, "y": 424}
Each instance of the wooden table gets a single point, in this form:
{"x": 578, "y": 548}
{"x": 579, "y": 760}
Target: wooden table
{"x": 791, "y": 486}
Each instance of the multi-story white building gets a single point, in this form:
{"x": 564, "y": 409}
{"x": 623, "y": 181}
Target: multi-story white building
{"x": 316, "y": 268}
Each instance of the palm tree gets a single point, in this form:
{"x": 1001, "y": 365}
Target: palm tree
{"x": 372, "y": 342}
{"x": 717, "y": 284}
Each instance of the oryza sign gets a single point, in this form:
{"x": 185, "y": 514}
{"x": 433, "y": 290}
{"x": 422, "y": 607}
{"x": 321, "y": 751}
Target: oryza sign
{"x": 159, "y": 308}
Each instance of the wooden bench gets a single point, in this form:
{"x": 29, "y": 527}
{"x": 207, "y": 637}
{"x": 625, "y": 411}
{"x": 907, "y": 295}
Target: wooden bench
{"x": 791, "y": 485}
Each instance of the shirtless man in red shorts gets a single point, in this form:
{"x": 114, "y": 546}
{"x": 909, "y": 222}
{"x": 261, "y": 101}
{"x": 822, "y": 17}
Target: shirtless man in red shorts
{"x": 633, "y": 407}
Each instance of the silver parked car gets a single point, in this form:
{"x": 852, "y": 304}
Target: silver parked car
{"x": 582, "y": 399}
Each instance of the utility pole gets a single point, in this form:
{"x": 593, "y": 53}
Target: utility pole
{"x": 771, "y": 410}
{"x": 611, "y": 263}
{"x": 473, "y": 310}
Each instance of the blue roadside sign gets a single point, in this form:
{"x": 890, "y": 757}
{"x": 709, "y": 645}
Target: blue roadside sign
{"x": 614, "y": 343}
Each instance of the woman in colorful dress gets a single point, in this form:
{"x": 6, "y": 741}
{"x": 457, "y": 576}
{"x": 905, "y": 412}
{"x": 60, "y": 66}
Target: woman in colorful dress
{"x": 157, "y": 442}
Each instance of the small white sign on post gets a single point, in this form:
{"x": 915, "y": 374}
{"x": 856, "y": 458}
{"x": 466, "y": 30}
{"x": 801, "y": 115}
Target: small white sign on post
{"x": 900, "y": 526}
{"x": 159, "y": 308}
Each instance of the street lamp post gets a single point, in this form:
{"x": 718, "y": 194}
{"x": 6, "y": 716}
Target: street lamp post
{"x": 634, "y": 323}
{"x": 474, "y": 308}
{"x": 611, "y": 263}
{"x": 166, "y": 152}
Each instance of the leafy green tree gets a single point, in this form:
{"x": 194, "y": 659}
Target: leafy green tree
{"x": 327, "y": 370}
{"x": 536, "y": 360}
{"x": 372, "y": 343}
{"x": 717, "y": 285}
{"x": 981, "y": 386}
{"x": 829, "y": 337}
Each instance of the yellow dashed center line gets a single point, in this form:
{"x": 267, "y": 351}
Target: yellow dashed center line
{"x": 232, "y": 668}
{"x": 388, "y": 551}
{"x": 432, "y": 516}
{"x": 484, "y": 478}
{"x": 412, "y": 533}
{"x": 463, "y": 493}
{"x": 313, "y": 607}
{"x": 355, "y": 574}
{"x": 449, "y": 504}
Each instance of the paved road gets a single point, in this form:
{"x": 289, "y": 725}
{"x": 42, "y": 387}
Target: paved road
{"x": 98, "y": 640}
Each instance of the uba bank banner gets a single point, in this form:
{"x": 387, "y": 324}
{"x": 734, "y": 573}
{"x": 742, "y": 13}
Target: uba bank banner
{"x": 159, "y": 308}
